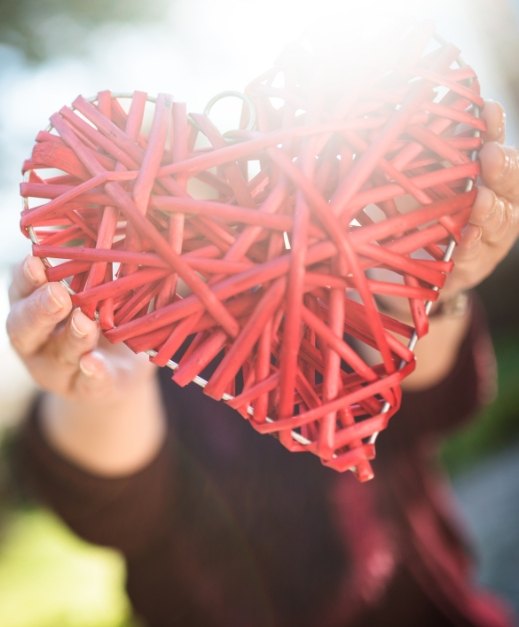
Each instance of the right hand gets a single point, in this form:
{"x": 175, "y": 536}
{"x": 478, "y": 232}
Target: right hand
{"x": 61, "y": 347}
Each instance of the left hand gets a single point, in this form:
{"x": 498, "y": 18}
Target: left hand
{"x": 493, "y": 225}
{"x": 491, "y": 232}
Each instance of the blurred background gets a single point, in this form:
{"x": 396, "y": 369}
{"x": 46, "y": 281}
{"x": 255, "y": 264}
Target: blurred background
{"x": 53, "y": 50}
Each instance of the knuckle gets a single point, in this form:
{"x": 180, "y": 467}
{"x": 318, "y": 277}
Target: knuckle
{"x": 64, "y": 360}
{"x": 500, "y": 217}
{"x": 513, "y": 215}
{"x": 12, "y": 292}
{"x": 16, "y": 338}
{"x": 511, "y": 172}
{"x": 9, "y": 324}
{"x": 63, "y": 356}
{"x": 16, "y": 284}
{"x": 500, "y": 121}
{"x": 35, "y": 315}
{"x": 484, "y": 207}
{"x": 508, "y": 214}
{"x": 500, "y": 169}
{"x": 503, "y": 223}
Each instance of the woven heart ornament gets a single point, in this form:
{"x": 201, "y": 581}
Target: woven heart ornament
{"x": 255, "y": 261}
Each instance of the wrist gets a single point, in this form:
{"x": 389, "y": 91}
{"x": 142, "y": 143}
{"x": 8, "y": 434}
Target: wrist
{"x": 454, "y": 306}
{"x": 110, "y": 438}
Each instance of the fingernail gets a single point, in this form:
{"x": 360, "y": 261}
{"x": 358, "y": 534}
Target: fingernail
{"x": 76, "y": 324}
{"x": 471, "y": 235}
{"x": 88, "y": 372}
{"x": 87, "y": 368}
{"x": 54, "y": 300}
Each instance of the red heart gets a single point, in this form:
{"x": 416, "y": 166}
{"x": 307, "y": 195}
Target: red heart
{"x": 279, "y": 229}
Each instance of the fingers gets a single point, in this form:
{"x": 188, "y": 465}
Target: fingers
{"x": 32, "y": 320}
{"x": 487, "y": 239}
{"x": 54, "y": 352}
{"x": 37, "y": 325}
{"x": 61, "y": 346}
{"x": 95, "y": 376}
{"x": 79, "y": 336}
{"x": 27, "y": 276}
{"x": 495, "y": 118}
{"x": 494, "y": 221}
{"x": 105, "y": 370}
{"x": 469, "y": 248}
{"x": 497, "y": 217}
{"x": 500, "y": 170}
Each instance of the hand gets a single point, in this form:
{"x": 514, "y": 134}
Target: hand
{"x": 491, "y": 232}
{"x": 61, "y": 347}
{"x": 103, "y": 410}
{"x": 493, "y": 226}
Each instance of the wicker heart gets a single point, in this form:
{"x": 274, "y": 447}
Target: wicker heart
{"x": 261, "y": 255}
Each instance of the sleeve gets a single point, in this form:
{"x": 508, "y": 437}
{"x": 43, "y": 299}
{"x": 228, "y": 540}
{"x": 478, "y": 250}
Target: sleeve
{"x": 457, "y": 398}
{"x": 128, "y": 513}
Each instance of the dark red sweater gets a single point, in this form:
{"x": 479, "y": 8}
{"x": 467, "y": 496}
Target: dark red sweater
{"x": 225, "y": 528}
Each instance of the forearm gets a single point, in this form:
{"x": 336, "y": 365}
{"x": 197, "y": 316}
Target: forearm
{"x": 429, "y": 412}
{"x": 112, "y": 436}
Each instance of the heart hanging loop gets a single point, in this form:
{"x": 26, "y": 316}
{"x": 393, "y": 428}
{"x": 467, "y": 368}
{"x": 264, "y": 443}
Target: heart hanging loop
{"x": 248, "y": 115}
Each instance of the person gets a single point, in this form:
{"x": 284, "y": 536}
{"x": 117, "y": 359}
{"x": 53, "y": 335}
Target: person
{"x": 221, "y": 526}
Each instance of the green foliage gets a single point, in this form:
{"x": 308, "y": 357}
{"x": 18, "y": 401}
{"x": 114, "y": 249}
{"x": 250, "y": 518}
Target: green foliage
{"x": 48, "y": 577}
{"x": 498, "y": 424}
{"x": 44, "y": 28}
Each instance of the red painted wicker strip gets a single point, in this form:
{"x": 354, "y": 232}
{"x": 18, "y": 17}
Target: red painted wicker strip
{"x": 260, "y": 252}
